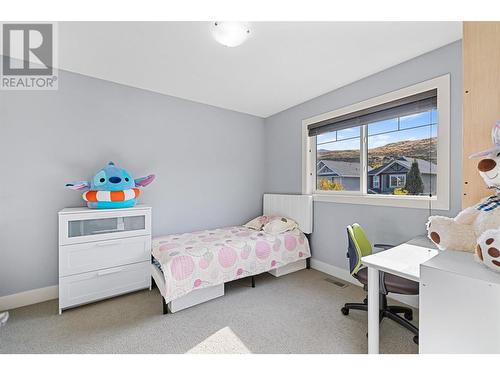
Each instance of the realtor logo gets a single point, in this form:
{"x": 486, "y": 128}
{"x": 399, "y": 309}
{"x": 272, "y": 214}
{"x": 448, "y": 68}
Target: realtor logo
{"x": 28, "y": 57}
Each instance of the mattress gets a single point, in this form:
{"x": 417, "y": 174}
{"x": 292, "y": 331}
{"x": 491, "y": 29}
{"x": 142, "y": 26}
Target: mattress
{"x": 191, "y": 261}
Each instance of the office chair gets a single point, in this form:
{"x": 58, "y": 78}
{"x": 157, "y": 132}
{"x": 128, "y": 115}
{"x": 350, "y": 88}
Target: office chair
{"x": 359, "y": 246}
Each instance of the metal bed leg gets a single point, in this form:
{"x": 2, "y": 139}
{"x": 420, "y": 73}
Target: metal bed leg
{"x": 253, "y": 282}
{"x": 308, "y": 260}
{"x": 165, "y": 306}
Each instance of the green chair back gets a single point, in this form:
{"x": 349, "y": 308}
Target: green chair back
{"x": 359, "y": 246}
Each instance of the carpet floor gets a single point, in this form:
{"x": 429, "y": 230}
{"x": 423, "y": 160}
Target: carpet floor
{"x": 296, "y": 313}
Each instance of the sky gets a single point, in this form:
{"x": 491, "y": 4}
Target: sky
{"x": 412, "y": 127}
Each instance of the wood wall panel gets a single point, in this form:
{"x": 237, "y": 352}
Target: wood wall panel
{"x": 481, "y": 53}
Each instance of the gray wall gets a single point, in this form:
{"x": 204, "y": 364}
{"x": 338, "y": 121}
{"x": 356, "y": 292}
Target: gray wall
{"x": 383, "y": 224}
{"x": 208, "y": 163}
{"x": 212, "y": 165}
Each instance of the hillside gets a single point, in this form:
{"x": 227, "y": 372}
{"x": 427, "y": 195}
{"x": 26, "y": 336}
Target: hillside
{"x": 380, "y": 155}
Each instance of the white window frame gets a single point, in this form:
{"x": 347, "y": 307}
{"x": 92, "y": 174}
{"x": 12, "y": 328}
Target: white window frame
{"x": 440, "y": 201}
{"x": 396, "y": 175}
{"x": 377, "y": 180}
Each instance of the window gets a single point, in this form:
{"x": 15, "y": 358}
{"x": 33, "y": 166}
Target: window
{"x": 397, "y": 180}
{"x": 397, "y": 145}
{"x": 389, "y": 150}
{"x": 334, "y": 173}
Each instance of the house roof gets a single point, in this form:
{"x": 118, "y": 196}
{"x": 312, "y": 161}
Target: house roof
{"x": 342, "y": 168}
{"x": 424, "y": 166}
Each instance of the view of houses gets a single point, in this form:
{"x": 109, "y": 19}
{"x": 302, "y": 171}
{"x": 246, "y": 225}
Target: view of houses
{"x": 388, "y": 168}
{"x": 381, "y": 180}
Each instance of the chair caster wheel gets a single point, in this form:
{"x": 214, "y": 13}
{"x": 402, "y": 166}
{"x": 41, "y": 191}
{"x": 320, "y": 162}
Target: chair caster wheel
{"x": 408, "y": 315}
{"x": 344, "y": 310}
{"x": 415, "y": 339}
{"x": 365, "y": 301}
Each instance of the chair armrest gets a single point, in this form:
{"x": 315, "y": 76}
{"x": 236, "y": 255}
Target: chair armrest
{"x": 383, "y": 246}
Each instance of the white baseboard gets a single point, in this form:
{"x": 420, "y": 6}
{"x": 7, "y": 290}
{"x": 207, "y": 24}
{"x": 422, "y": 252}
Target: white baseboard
{"x": 344, "y": 274}
{"x": 334, "y": 271}
{"x": 29, "y": 297}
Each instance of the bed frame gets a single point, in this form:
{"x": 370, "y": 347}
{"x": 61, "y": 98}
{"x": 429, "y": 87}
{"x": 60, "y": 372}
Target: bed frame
{"x": 296, "y": 207}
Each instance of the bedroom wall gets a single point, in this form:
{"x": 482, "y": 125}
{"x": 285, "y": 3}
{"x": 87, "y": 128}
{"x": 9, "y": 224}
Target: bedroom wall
{"x": 383, "y": 224}
{"x": 208, "y": 163}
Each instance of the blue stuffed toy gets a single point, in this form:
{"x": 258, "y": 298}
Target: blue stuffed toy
{"x": 111, "y": 187}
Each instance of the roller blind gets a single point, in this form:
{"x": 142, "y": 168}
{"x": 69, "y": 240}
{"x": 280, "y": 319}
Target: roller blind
{"x": 421, "y": 102}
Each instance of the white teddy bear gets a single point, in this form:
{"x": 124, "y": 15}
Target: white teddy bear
{"x": 475, "y": 229}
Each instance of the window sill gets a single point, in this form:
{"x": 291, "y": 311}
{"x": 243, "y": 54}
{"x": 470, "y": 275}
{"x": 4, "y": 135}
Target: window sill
{"x": 383, "y": 200}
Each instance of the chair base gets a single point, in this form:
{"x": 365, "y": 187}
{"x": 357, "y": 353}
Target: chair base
{"x": 386, "y": 311}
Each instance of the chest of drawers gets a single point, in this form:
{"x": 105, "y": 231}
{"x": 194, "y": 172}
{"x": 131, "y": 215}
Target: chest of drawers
{"x": 103, "y": 253}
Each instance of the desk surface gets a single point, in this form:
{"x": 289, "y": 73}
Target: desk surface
{"x": 403, "y": 260}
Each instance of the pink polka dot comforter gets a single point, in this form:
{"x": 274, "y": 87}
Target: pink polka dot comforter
{"x": 197, "y": 260}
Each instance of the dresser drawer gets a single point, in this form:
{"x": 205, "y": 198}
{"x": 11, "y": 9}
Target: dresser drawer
{"x": 79, "y": 258}
{"x": 97, "y": 225}
{"x": 91, "y": 286}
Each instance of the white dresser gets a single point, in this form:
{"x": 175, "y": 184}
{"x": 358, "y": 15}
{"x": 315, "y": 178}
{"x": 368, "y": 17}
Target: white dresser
{"x": 103, "y": 253}
{"x": 459, "y": 306}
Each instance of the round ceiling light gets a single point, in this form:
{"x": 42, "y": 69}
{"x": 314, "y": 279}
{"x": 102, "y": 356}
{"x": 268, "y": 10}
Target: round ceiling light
{"x": 230, "y": 34}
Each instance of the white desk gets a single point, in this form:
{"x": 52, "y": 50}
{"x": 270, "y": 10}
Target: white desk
{"x": 403, "y": 260}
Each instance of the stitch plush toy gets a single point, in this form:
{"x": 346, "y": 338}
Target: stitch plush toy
{"x": 475, "y": 229}
{"x": 111, "y": 187}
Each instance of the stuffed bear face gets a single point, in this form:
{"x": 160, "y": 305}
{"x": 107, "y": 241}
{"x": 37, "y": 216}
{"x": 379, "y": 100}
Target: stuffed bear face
{"x": 489, "y": 169}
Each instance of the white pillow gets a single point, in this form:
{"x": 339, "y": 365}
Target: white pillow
{"x": 279, "y": 224}
{"x": 258, "y": 223}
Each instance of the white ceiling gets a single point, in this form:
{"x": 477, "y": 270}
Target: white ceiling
{"x": 281, "y": 65}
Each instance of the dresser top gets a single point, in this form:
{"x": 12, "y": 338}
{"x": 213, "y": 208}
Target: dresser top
{"x": 78, "y": 210}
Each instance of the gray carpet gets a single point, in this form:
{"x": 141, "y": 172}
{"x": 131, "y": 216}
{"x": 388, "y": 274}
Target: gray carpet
{"x": 297, "y": 313}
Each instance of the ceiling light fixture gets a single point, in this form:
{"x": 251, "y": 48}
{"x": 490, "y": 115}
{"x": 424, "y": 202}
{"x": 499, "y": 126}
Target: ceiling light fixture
{"x": 230, "y": 34}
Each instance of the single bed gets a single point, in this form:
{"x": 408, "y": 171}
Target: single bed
{"x": 191, "y": 268}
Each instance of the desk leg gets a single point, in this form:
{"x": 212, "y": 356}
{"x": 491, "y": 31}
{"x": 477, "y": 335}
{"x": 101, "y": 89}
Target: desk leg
{"x": 373, "y": 310}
